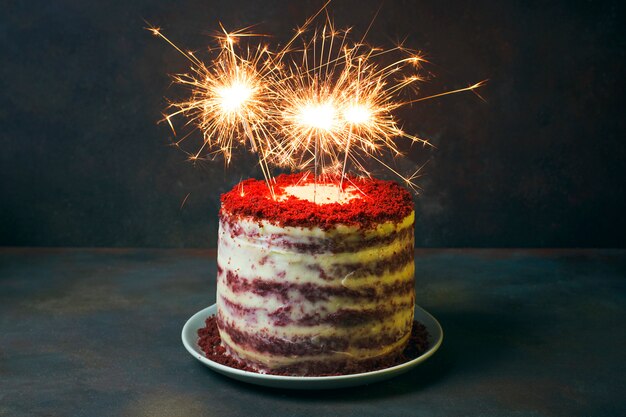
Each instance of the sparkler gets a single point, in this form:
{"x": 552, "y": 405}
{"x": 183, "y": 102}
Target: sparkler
{"x": 326, "y": 106}
{"x": 337, "y": 105}
{"x": 229, "y": 98}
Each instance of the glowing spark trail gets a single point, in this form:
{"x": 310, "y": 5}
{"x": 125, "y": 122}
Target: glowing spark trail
{"x": 327, "y": 106}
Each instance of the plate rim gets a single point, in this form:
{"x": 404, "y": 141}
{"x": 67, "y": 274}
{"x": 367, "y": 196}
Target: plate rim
{"x": 197, "y": 353}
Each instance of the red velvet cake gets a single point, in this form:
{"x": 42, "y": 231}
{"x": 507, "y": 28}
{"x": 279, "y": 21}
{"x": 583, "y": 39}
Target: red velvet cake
{"x": 316, "y": 279}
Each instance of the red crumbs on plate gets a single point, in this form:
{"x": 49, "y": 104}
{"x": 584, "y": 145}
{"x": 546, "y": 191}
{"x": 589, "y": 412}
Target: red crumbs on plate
{"x": 381, "y": 201}
{"x": 210, "y": 342}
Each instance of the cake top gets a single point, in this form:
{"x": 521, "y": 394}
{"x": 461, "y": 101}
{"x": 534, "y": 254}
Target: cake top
{"x": 300, "y": 202}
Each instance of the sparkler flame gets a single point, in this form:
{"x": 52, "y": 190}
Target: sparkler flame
{"x": 358, "y": 115}
{"x": 317, "y": 117}
{"x": 327, "y": 106}
{"x": 234, "y": 97}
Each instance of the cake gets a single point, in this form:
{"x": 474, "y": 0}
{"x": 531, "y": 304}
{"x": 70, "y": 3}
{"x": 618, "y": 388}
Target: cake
{"x": 315, "y": 281}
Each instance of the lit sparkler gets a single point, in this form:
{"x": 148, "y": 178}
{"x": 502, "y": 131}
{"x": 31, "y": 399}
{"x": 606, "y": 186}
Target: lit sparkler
{"x": 229, "y": 99}
{"x": 337, "y": 105}
{"x": 327, "y": 107}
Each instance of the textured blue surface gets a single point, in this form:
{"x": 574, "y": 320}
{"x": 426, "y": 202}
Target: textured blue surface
{"x": 97, "y": 333}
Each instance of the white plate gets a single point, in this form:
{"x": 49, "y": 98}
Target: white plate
{"x": 190, "y": 339}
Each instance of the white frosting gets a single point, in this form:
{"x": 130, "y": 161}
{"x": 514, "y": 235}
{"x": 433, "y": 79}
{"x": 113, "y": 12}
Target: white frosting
{"x": 320, "y": 193}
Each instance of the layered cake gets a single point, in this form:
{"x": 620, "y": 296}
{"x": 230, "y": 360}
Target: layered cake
{"x": 315, "y": 279}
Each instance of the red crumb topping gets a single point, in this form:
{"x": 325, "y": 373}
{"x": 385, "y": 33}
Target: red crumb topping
{"x": 380, "y": 201}
{"x": 210, "y": 342}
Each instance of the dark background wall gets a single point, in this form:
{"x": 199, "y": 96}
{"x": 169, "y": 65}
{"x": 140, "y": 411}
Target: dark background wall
{"x": 83, "y": 162}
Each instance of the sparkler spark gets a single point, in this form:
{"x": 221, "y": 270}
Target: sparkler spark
{"x": 327, "y": 106}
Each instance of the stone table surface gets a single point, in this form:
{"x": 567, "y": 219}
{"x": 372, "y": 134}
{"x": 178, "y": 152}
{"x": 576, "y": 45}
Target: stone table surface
{"x": 96, "y": 332}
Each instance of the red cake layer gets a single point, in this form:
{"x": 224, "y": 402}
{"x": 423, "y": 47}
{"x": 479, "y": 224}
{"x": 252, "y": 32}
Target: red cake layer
{"x": 394, "y": 264}
{"x": 302, "y": 346}
{"x": 344, "y": 317}
{"x": 333, "y": 244}
{"x": 313, "y": 292}
{"x": 359, "y": 270}
{"x": 381, "y": 201}
{"x": 210, "y": 343}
